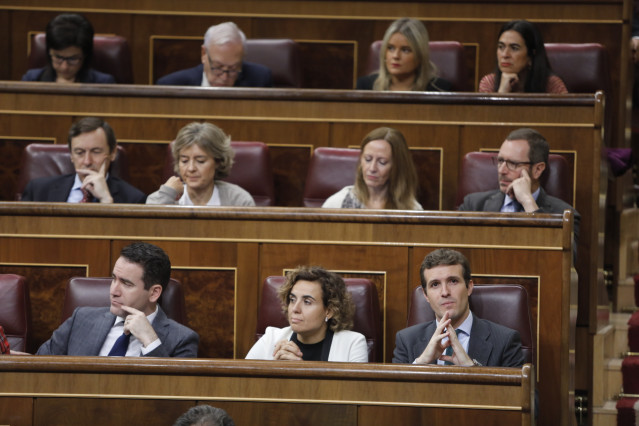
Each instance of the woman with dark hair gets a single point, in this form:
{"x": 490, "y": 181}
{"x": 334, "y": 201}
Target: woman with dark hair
{"x": 522, "y": 64}
{"x": 404, "y": 61}
{"x": 69, "y": 41}
{"x": 320, "y": 314}
{"x": 386, "y": 176}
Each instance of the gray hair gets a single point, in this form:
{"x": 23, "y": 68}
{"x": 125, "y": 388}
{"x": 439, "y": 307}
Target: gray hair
{"x": 212, "y": 140}
{"x": 226, "y": 32}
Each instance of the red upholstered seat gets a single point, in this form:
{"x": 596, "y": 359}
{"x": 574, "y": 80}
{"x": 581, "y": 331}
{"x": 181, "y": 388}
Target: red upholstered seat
{"x": 447, "y": 55}
{"x": 40, "y": 160}
{"x": 251, "y": 170}
{"x": 82, "y": 291}
{"x": 15, "y": 311}
{"x": 331, "y": 169}
{"x": 281, "y": 56}
{"x": 478, "y": 173}
{"x": 111, "y": 54}
{"x": 367, "y": 319}
{"x": 626, "y": 413}
{"x": 584, "y": 67}
{"x": 502, "y": 304}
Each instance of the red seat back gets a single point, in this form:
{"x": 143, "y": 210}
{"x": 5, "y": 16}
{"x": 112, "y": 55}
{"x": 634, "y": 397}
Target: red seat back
{"x": 111, "y": 55}
{"x": 367, "y": 320}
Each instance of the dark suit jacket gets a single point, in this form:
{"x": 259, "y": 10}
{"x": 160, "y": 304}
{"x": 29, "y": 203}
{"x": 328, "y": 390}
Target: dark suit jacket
{"x": 492, "y": 201}
{"x": 435, "y": 85}
{"x": 83, "y": 334}
{"x": 90, "y": 76}
{"x": 490, "y": 344}
{"x": 57, "y": 188}
{"x": 252, "y": 75}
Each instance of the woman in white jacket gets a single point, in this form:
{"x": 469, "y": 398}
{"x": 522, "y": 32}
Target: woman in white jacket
{"x": 320, "y": 312}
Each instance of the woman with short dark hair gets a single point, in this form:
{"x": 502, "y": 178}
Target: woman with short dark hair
{"x": 69, "y": 42}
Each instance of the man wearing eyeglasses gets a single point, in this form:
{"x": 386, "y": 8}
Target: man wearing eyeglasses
{"x": 522, "y": 159}
{"x": 222, "y": 63}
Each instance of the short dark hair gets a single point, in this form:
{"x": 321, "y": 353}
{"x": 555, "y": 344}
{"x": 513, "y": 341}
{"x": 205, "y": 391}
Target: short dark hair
{"x": 89, "y": 124}
{"x": 154, "y": 261}
{"x": 444, "y": 257}
{"x": 334, "y": 294}
{"x": 71, "y": 29}
{"x": 539, "y": 148}
{"x": 204, "y": 415}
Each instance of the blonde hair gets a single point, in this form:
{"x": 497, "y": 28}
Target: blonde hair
{"x": 417, "y": 36}
{"x": 211, "y": 139}
{"x": 402, "y": 183}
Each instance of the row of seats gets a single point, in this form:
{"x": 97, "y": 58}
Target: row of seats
{"x": 503, "y": 304}
{"x": 330, "y": 170}
{"x": 583, "y": 67}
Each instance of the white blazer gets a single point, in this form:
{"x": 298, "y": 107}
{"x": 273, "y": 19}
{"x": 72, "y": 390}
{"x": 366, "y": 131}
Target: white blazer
{"x": 347, "y": 346}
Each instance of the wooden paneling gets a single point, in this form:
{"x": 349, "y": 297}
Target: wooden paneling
{"x": 291, "y": 120}
{"x": 101, "y": 390}
{"x": 209, "y": 248}
{"x": 473, "y": 23}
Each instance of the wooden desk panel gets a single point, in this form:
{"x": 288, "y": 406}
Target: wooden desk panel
{"x": 312, "y": 393}
{"x": 242, "y": 246}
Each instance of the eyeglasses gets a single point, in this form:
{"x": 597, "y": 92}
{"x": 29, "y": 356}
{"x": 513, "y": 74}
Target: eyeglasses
{"x": 511, "y": 165}
{"x": 219, "y": 71}
{"x": 71, "y": 60}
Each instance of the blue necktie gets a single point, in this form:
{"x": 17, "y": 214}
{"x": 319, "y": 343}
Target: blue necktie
{"x": 121, "y": 345}
{"x": 518, "y": 207}
{"x": 449, "y": 350}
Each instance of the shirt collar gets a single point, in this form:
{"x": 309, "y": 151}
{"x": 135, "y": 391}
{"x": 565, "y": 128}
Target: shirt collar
{"x": 465, "y": 326}
{"x": 508, "y": 199}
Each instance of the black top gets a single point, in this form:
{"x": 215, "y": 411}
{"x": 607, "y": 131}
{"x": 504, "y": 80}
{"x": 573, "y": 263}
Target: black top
{"x": 435, "y": 85}
{"x": 315, "y": 351}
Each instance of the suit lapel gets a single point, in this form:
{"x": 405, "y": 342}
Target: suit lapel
{"x": 422, "y": 342}
{"x": 161, "y": 325}
{"x": 479, "y": 347}
{"x": 61, "y": 190}
{"x": 98, "y": 335}
{"x": 494, "y": 202}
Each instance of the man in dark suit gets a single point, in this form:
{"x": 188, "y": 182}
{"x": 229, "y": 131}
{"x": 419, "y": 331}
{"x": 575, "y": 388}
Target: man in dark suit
{"x": 134, "y": 324}
{"x": 93, "y": 147}
{"x": 222, "y": 63}
{"x": 522, "y": 159}
{"x": 456, "y": 336}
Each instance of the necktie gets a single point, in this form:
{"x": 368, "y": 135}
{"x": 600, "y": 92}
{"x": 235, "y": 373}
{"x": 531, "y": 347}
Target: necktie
{"x": 85, "y": 196}
{"x": 120, "y": 346}
{"x": 517, "y": 206}
{"x": 449, "y": 350}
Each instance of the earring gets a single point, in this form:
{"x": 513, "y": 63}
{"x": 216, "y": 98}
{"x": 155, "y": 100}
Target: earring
{"x": 326, "y": 319}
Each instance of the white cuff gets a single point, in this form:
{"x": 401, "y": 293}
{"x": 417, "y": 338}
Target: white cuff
{"x": 152, "y": 346}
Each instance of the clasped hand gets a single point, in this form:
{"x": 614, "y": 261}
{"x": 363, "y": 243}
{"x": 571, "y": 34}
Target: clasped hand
{"x": 436, "y": 347}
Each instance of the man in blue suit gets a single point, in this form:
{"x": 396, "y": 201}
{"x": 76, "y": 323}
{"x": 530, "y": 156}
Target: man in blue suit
{"x": 456, "y": 336}
{"x": 93, "y": 148}
{"x": 134, "y": 324}
{"x": 222, "y": 63}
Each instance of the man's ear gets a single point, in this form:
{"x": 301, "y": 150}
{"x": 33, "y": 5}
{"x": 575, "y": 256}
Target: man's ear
{"x": 425, "y": 295}
{"x": 203, "y": 55}
{"x": 114, "y": 154}
{"x": 471, "y": 285}
{"x": 155, "y": 292}
{"x": 537, "y": 169}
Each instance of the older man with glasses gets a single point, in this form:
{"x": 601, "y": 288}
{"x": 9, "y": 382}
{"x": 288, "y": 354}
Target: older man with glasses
{"x": 522, "y": 159}
{"x": 222, "y": 63}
